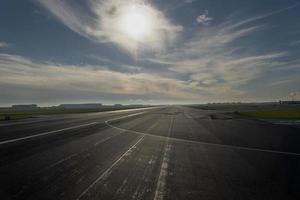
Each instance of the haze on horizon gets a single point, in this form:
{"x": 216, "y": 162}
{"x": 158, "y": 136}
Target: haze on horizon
{"x": 149, "y": 51}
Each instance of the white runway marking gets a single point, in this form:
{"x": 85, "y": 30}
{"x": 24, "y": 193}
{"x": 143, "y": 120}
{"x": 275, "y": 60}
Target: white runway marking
{"x": 126, "y": 116}
{"x": 161, "y": 182}
{"x": 107, "y": 171}
{"x": 69, "y": 128}
{"x": 45, "y": 133}
{"x": 96, "y": 113}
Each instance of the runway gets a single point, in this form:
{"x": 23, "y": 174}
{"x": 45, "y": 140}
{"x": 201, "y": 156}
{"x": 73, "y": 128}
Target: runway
{"x": 170, "y": 152}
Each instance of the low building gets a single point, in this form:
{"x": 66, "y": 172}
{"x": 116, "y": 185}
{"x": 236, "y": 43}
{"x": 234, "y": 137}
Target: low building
{"x": 24, "y": 106}
{"x": 82, "y": 106}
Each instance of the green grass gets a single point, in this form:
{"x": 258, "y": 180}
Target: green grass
{"x": 11, "y": 114}
{"x": 271, "y": 111}
{"x": 284, "y": 113}
{"x": 240, "y": 106}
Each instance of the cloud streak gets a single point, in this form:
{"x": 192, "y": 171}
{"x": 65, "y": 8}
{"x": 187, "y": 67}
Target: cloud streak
{"x": 212, "y": 61}
{"x": 262, "y": 16}
{"x": 22, "y": 72}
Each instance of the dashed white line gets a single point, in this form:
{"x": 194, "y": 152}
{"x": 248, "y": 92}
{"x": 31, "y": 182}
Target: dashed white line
{"x": 45, "y": 133}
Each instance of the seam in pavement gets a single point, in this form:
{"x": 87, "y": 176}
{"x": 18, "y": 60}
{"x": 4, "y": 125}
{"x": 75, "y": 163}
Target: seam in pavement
{"x": 107, "y": 122}
{"x": 45, "y": 133}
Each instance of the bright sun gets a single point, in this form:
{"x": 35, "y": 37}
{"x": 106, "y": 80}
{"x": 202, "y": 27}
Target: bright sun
{"x": 135, "y": 23}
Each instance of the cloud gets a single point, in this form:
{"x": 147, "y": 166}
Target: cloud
{"x": 215, "y": 61}
{"x": 190, "y": 1}
{"x": 295, "y": 43}
{"x": 131, "y": 68}
{"x": 291, "y": 96}
{"x": 261, "y": 16}
{"x": 23, "y": 74}
{"x": 100, "y": 22}
{"x": 204, "y": 19}
{"x": 4, "y": 44}
{"x": 294, "y": 96}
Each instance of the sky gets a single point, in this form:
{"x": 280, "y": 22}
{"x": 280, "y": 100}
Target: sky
{"x": 149, "y": 52}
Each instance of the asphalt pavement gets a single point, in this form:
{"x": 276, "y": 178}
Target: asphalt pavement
{"x": 162, "y": 153}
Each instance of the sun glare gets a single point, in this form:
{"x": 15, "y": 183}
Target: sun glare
{"x": 135, "y": 23}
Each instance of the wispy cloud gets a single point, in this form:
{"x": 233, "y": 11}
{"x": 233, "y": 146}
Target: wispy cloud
{"x": 100, "y": 22}
{"x": 204, "y": 18}
{"x": 4, "y": 44}
{"x": 190, "y": 1}
{"x": 294, "y": 96}
{"x": 261, "y": 16}
{"x": 213, "y": 61}
{"x": 295, "y": 43}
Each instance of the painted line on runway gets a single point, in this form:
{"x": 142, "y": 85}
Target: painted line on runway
{"x": 163, "y": 172}
{"x": 93, "y": 113}
{"x": 107, "y": 122}
{"x": 126, "y": 116}
{"x": 64, "y": 129}
{"x": 45, "y": 133}
{"x": 108, "y": 170}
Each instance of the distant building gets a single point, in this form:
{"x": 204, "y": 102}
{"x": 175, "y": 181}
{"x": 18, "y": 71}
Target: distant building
{"x": 136, "y": 105}
{"x": 118, "y": 105}
{"x": 24, "y": 106}
{"x": 82, "y": 106}
{"x": 289, "y": 102}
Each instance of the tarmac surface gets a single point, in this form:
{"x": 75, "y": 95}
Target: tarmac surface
{"x": 168, "y": 153}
